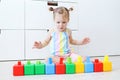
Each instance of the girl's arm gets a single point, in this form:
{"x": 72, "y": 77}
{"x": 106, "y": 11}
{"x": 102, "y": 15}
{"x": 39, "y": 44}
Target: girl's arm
{"x": 44, "y": 43}
{"x": 84, "y": 41}
{"x": 47, "y": 40}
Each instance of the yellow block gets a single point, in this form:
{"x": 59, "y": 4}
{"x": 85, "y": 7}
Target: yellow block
{"x": 107, "y": 65}
{"x": 79, "y": 65}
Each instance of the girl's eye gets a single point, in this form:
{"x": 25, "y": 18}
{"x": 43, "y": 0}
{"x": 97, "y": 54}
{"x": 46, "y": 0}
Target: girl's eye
{"x": 64, "y": 22}
{"x": 58, "y": 22}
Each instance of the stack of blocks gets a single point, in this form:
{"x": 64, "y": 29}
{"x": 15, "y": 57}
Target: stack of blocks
{"x": 18, "y": 69}
{"x": 50, "y": 67}
{"x": 88, "y": 65}
{"x": 68, "y": 67}
{"x": 29, "y": 68}
{"x": 60, "y": 67}
{"x": 39, "y": 68}
{"x": 107, "y": 65}
{"x": 79, "y": 65}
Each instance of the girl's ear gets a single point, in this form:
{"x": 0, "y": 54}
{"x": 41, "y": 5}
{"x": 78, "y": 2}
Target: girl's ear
{"x": 70, "y": 9}
{"x": 51, "y": 9}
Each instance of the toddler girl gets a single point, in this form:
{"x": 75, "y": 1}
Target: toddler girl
{"x": 60, "y": 37}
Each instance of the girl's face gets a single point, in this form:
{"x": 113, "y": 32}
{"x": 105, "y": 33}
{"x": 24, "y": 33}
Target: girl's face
{"x": 60, "y": 22}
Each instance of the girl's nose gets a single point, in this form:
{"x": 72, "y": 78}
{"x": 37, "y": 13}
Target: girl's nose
{"x": 61, "y": 24}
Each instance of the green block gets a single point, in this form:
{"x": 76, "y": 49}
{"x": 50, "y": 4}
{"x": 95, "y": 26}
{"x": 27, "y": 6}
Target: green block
{"x": 70, "y": 67}
{"x": 39, "y": 68}
{"x": 29, "y": 68}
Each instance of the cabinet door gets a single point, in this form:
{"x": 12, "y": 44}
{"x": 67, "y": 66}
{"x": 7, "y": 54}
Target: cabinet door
{"x": 11, "y": 44}
{"x": 39, "y": 17}
{"x": 31, "y": 37}
{"x": 11, "y": 14}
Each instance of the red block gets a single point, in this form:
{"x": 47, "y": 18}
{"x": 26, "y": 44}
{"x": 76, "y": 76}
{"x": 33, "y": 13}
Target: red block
{"x": 18, "y": 69}
{"x": 60, "y": 67}
{"x": 98, "y": 66}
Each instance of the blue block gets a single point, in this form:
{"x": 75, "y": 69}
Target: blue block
{"x": 50, "y": 67}
{"x": 89, "y": 67}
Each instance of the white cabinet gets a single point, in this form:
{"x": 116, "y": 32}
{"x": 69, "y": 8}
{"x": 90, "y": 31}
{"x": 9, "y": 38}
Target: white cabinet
{"x": 11, "y": 14}
{"x": 11, "y": 44}
{"x": 38, "y": 16}
{"x": 31, "y": 37}
{"x": 11, "y": 29}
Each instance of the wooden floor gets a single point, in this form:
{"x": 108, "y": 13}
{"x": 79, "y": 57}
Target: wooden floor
{"x": 6, "y": 73}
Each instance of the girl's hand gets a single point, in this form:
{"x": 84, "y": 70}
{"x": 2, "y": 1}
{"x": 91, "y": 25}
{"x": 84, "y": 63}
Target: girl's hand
{"x": 85, "y": 41}
{"x": 37, "y": 45}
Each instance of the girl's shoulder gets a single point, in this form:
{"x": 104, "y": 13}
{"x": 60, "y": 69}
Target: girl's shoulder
{"x": 68, "y": 31}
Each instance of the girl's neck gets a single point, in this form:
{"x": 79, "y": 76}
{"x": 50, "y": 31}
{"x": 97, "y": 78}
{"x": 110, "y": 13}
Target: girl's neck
{"x": 60, "y": 31}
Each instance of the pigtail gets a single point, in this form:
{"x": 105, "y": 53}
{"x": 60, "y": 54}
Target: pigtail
{"x": 51, "y": 9}
{"x": 70, "y": 9}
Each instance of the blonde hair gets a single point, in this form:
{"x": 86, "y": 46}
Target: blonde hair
{"x": 61, "y": 10}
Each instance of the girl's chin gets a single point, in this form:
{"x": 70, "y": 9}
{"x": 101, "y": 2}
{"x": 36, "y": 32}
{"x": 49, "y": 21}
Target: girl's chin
{"x": 61, "y": 30}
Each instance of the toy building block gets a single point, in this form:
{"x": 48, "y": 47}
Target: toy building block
{"x": 29, "y": 68}
{"x": 70, "y": 67}
{"x": 39, "y": 68}
{"x": 88, "y": 65}
{"x": 50, "y": 67}
{"x": 18, "y": 69}
{"x": 107, "y": 65}
{"x": 98, "y": 65}
{"x": 79, "y": 65}
{"x": 60, "y": 67}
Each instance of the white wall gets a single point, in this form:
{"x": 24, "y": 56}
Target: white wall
{"x": 100, "y": 20}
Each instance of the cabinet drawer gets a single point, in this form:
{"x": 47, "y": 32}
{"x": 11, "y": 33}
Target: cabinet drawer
{"x": 12, "y": 14}
{"x": 11, "y": 46}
